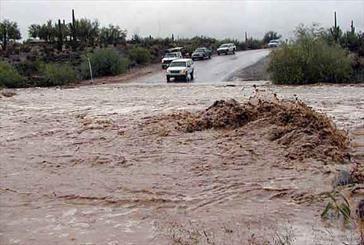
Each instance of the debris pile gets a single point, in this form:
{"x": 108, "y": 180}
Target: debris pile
{"x": 303, "y": 131}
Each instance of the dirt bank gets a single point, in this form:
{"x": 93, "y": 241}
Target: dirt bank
{"x": 111, "y": 164}
{"x": 255, "y": 72}
{"x": 132, "y": 74}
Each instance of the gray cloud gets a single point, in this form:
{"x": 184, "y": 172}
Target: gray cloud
{"x": 189, "y": 18}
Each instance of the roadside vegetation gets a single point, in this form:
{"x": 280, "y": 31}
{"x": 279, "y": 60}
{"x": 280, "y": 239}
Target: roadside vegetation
{"x": 104, "y": 62}
{"x": 56, "y": 75}
{"x": 319, "y": 56}
{"x": 59, "y": 53}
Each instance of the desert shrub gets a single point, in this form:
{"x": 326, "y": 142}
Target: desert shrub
{"x": 140, "y": 55}
{"x": 56, "y": 75}
{"x": 9, "y": 77}
{"x": 104, "y": 62}
{"x": 28, "y": 68}
{"x": 309, "y": 60}
{"x": 254, "y": 43}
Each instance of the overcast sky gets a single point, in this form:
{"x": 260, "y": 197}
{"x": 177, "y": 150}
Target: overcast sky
{"x": 215, "y": 18}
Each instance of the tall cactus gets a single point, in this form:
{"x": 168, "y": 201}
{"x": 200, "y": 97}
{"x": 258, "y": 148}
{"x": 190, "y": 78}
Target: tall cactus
{"x": 60, "y": 35}
{"x": 335, "y": 30}
{"x": 74, "y": 30}
{"x": 352, "y": 27}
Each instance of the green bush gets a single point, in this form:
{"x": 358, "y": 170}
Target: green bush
{"x": 28, "y": 68}
{"x": 56, "y": 75}
{"x": 309, "y": 60}
{"x": 140, "y": 55}
{"x": 9, "y": 77}
{"x": 104, "y": 62}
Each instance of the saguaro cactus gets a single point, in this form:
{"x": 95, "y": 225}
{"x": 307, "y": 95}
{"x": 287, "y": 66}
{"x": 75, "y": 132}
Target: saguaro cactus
{"x": 335, "y": 30}
{"x": 60, "y": 35}
{"x": 352, "y": 27}
{"x": 74, "y": 30}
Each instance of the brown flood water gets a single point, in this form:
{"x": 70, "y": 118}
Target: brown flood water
{"x": 88, "y": 165}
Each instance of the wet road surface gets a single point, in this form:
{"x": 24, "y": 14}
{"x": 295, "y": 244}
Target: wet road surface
{"x": 217, "y": 69}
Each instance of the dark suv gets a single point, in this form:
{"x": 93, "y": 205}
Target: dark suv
{"x": 201, "y": 54}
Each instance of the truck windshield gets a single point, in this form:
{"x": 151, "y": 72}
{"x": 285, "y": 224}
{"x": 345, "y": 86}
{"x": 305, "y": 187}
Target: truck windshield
{"x": 225, "y": 45}
{"x": 170, "y": 55}
{"x": 178, "y": 64}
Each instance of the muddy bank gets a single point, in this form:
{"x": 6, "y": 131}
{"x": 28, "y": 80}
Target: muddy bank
{"x": 255, "y": 72}
{"x": 110, "y": 165}
{"x": 132, "y": 74}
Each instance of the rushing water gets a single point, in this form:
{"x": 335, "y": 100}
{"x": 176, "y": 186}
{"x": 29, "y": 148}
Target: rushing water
{"x": 84, "y": 166}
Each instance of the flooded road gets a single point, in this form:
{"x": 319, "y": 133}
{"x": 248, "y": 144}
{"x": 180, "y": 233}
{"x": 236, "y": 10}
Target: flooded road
{"x": 90, "y": 165}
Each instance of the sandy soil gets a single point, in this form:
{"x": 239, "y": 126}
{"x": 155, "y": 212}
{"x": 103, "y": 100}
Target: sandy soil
{"x": 98, "y": 165}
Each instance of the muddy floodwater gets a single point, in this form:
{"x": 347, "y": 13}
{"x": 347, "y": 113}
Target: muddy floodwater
{"x": 90, "y": 165}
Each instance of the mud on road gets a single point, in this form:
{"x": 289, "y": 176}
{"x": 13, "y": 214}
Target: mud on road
{"x": 108, "y": 165}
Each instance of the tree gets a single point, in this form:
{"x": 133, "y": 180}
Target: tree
{"x": 271, "y": 35}
{"x": 9, "y": 31}
{"x": 34, "y": 30}
{"x": 46, "y": 32}
{"x": 112, "y": 35}
{"x": 87, "y": 32}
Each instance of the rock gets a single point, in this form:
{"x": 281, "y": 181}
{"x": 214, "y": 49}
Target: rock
{"x": 7, "y": 93}
{"x": 344, "y": 178}
{"x": 361, "y": 210}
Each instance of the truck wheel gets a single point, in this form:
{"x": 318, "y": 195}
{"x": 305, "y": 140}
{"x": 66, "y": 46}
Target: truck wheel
{"x": 218, "y": 53}
{"x": 168, "y": 79}
{"x": 187, "y": 78}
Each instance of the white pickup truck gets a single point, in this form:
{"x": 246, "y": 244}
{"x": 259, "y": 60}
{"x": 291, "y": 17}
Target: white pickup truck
{"x": 226, "y": 48}
{"x": 169, "y": 57}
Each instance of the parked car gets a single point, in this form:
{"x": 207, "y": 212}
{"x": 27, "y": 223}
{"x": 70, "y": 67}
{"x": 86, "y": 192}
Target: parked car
{"x": 201, "y": 53}
{"x": 274, "y": 43}
{"x": 169, "y": 57}
{"x": 226, "y": 48}
{"x": 181, "y": 69}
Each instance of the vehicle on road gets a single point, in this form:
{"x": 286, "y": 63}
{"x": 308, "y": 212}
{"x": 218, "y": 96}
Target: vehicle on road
{"x": 274, "y": 43}
{"x": 177, "y": 49}
{"x": 169, "y": 57}
{"x": 226, "y": 48}
{"x": 181, "y": 69}
{"x": 201, "y": 54}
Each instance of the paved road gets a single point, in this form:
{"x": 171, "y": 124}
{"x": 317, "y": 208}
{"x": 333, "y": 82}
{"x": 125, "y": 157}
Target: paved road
{"x": 218, "y": 69}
